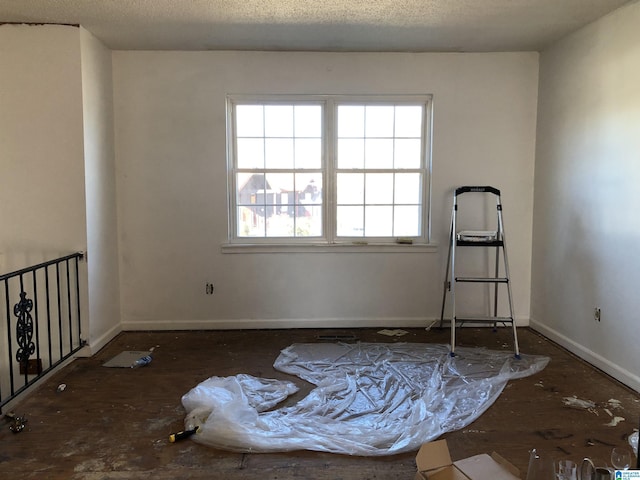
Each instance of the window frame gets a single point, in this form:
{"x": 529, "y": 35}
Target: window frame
{"x": 329, "y": 171}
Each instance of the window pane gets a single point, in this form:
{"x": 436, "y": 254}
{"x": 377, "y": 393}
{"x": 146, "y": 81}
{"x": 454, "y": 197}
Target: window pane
{"x": 278, "y": 225}
{"x": 251, "y": 223}
{"x": 407, "y": 188}
{"x": 379, "y": 188}
{"x": 406, "y": 221}
{"x": 379, "y": 153}
{"x": 407, "y": 153}
{"x": 279, "y": 153}
{"x": 250, "y": 153}
{"x": 309, "y": 188}
{"x": 308, "y": 153}
{"x": 309, "y": 221}
{"x": 350, "y": 188}
{"x": 350, "y": 221}
{"x": 280, "y": 183}
{"x": 249, "y": 121}
{"x": 408, "y": 121}
{"x": 247, "y": 184}
{"x": 308, "y": 201}
{"x": 308, "y": 121}
{"x": 350, "y": 121}
{"x": 278, "y": 120}
{"x": 350, "y": 153}
{"x": 378, "y": 221}
{"x": 379, "y": 121}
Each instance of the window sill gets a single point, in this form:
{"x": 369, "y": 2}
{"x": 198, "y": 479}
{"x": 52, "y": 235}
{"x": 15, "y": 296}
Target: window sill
{"x": 329, "y": 248}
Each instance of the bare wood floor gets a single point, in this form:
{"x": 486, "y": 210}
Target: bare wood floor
{"x": 113, "y": 423}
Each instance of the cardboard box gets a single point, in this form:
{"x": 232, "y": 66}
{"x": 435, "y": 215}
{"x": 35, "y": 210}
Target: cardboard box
{"x": 434, "y": 463}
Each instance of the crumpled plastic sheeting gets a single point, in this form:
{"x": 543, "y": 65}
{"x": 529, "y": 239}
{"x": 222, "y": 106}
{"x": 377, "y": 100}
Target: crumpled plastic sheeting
{"x": 370, "y": 398}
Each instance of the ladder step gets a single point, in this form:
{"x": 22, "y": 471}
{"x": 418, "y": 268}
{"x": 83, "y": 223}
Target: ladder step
{"x": 483, "y": 279}
{"x": 485, "y": 319}
{"x": 468, "y": 243}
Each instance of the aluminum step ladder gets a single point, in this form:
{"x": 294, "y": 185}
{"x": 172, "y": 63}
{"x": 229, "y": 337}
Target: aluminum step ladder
{"x": 500, "y": 277}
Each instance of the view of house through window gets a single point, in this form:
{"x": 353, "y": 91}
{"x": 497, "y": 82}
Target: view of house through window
{"x": 328, "y": 168}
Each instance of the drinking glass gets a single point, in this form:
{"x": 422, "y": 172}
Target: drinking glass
{"x": 567, "y": 470}
{"x": 621, "y": 458}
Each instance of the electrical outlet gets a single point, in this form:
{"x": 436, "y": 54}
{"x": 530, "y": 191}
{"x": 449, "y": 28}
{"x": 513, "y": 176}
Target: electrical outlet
{"x": 597, "y": 314}
{"x": 209, "y": 288}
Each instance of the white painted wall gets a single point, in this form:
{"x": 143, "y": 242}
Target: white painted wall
{"x": 586, "y": 226}
{"x": 171, "y": 179}
{"x": 100, "y": 187}
{"x": 57, "y": 182}
{"x": 42, "y": 197}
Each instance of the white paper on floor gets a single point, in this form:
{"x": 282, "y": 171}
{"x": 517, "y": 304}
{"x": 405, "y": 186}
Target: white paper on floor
{"x": 370, "y": 398}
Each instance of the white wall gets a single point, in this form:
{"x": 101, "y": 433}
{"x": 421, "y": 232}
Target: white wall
{"x": 586, "y": 226}
{"x": 42, "y": 202}
{"x": 100, "y": 187}
{"x": 171, "y": 179}
{"x": 57, "y": 182}
{"x": 42, "y": 198}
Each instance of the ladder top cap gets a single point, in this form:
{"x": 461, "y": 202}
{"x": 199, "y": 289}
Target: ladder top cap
{"x": 477, "y": 188}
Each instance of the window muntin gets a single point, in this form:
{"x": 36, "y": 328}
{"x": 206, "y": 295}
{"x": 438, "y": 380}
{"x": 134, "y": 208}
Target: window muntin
{"x": 328, "y": 169}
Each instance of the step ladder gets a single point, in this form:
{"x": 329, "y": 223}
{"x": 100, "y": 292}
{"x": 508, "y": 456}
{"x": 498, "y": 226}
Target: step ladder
{"x": 478, "y": 239}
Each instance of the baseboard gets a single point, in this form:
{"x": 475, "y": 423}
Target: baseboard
{"x": 598, "y": 361}
{"x": 249, "y": 324}
{"x": 96, "y": 344}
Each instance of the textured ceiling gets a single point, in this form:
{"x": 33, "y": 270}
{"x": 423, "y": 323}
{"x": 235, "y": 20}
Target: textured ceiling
{"x": 320, "y": 25}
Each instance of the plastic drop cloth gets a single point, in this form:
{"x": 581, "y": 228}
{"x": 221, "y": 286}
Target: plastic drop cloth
{"x": 370, "y": 398}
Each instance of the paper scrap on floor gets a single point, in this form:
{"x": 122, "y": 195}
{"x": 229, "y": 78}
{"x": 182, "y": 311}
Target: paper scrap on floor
{"x": 125, "y": 359}
{"x": 370, "y": 398}
{"x": 397, "y": 332}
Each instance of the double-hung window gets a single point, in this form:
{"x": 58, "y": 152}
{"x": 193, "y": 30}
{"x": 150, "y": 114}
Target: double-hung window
{"x": 328, "y": 169}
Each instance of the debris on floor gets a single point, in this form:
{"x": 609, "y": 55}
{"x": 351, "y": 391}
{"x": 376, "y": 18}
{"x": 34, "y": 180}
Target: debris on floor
{"x": 174, "y": 437}
{"x": 633, "y": 441}
{"x": 370, "y": 398}
{"x": 17, "y": 422}
{"x": 337, "y": 338}
{"x": 393, "y": 333}
{"x": 141, "y": 362}
{"x": 614, "y": 404}
{"x": 575, "y": 402}
{"x": 428, "y": 327}
{"x": 614, "y": 421}
{"x": 590, "y": 406}
{"x": 126, "y": 359}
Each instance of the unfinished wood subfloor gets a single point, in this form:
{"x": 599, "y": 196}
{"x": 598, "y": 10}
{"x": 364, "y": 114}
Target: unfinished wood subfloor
{"x": 112, "y": 423}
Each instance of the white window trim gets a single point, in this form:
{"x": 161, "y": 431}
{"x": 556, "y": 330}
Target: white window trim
{"x": 330, "y": 242}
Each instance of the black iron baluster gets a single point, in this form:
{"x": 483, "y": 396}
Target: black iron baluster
{"x": 46, "y": 284}
{"x": 59, "y": 307}
{"x": 80, "y": 342}
{"x": 24, "y": 330}
{"x": 36, "y": 323}
{"x": 69, "y": 307}
{"x": 6, "y": 293}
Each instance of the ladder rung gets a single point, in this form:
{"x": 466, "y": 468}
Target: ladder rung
{"x": 483, "y": 279}
{"x": 484, "y": 319}
{"x": 467, "y": 243}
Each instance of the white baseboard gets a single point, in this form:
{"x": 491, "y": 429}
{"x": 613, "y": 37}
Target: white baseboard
{"x": 248, "y": 324}
{"x": 617, "y": 372}
{"x": 96, "y": 344}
